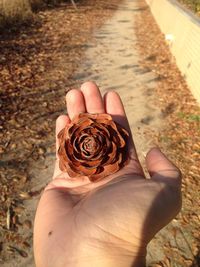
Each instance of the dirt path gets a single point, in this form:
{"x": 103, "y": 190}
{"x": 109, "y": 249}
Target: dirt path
{"x": 36, "y": 64}
{"x": 36, "y": 80}
{"x": 112, "y": 61}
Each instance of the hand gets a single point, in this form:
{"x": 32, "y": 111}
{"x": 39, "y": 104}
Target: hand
{"x": 110, "y": 222}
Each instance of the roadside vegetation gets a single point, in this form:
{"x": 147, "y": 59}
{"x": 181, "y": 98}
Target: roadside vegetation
{"x": 14, "y": 12}
{"x": 194, "y": 5}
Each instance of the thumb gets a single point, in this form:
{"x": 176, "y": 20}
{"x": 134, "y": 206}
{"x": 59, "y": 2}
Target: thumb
{"x": 162, "y": 169}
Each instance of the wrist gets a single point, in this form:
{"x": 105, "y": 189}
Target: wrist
{"x": 111, "y": 257}
{"x": 127, "y": 261}
{"x": 118, "y": 261}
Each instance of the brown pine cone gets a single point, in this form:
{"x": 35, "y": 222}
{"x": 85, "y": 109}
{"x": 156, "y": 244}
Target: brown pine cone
{"x": 92, "y": 145}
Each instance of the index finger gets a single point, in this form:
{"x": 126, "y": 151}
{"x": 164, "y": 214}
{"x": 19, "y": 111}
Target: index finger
{"x": 61, "y": 122}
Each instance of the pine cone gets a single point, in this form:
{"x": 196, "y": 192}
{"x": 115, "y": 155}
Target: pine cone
{"x": 92, "y": 145}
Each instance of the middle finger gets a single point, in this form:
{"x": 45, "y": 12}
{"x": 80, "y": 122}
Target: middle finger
{"x": 93, "y": 98}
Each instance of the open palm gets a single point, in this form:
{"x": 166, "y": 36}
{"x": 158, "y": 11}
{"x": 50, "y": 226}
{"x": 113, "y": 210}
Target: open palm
{"x": 110, "y": 222}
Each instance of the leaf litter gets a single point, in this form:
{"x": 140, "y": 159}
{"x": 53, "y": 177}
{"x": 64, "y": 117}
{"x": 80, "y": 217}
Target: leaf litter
{"x": 180, "y": 137}
{"x": 36, "y": 66}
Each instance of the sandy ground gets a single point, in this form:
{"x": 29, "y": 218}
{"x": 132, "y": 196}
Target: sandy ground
{"x": 113, "y": 62}
{"x": 37, "y": 63}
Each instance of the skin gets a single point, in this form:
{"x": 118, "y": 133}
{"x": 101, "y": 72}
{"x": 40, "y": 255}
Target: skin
{"x": 108, "y": 223}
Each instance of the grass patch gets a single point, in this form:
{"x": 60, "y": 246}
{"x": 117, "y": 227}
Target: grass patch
{"x": 14, "y": 11}
{"x": 193, "y": 117}
{"x": 189, "y": 117}
{"x": 194, "y": 5}
{"x": 165, "y": 139}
